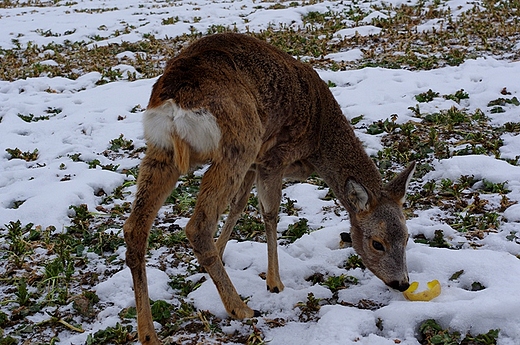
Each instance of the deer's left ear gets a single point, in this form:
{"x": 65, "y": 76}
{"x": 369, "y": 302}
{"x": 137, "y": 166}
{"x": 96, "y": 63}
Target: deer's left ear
{"x": 398, "y": 186}
{"x": 358, "y": 196}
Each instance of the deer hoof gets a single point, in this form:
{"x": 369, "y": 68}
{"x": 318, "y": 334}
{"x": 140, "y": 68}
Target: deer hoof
{"x": 243, "y": 313}
{"x": 275, "y": 288}
{"x": 150, "y": 339}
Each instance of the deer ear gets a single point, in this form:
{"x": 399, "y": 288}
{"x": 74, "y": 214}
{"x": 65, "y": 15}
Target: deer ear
{"x": 358, "y": 196}
{"x": 398, "y": 186}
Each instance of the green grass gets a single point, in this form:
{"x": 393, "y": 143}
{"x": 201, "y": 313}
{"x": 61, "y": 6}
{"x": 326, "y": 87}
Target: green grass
{"x": 434, "y": 334}
{"x": 477, "y": 32}
{"x": 47, "y": 284}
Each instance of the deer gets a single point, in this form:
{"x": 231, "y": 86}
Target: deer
{"x": 255, "y": 115}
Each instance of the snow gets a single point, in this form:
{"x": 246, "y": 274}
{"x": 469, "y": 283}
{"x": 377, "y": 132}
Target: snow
{"x": 481, "y": 167}
{"x": 92, "y": 115}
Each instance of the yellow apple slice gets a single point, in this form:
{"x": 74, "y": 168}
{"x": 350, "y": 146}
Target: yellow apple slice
{"x": 434, "y": 290}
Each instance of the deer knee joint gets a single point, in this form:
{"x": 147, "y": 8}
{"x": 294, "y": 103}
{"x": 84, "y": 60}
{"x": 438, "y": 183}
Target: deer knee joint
{"x": 133, "y": 258}
{"x": 207, "y": 259}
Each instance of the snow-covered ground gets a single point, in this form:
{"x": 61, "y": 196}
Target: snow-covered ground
{"x": 92, "y": 115}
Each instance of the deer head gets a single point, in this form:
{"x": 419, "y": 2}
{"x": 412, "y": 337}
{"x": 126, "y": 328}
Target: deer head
{"x": 379, "y": 233}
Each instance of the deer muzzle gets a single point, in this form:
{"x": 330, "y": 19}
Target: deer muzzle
{"x": 399, "y": 285}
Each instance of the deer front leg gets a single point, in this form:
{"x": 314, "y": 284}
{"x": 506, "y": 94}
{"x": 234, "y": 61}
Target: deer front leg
{"x": 157, "y": 176}
{"x": 236, "y": 208}
{"x": 219, "y": 184}
{"x": 269, "y": 187}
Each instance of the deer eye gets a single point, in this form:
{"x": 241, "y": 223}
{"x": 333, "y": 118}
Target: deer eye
{"x": 378, "y": 246}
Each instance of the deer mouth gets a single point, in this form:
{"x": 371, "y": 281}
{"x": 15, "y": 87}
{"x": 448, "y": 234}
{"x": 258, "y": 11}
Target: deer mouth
{"x": 399, "y": 286}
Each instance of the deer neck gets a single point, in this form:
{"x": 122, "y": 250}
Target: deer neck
{"x": 341, "y": 155}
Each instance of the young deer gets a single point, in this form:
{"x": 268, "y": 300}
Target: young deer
{"x": 255, "y": 114}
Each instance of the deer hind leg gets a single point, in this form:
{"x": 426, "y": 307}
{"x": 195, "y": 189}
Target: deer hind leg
{"x": 269, "y": 186}
{"x": 157, "y": 177}
{"x": 220, "y": 183}
{"x": 236, "y": 208}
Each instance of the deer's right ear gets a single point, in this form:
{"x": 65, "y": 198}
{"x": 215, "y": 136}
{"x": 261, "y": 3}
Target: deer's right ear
{"x": 398, "y": 186}
{"x": 358, "y": 196}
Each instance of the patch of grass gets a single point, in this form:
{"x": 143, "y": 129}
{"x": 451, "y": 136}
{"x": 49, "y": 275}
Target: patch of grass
{"x": 119, "y": 193}
{"x": 18, "y": 240}
{"x": 288, "y": 206}
{"x": 256, "y": 336}
{"x": 354, "y": 261}
{"x": 32, "y": 118}
{"x": 53, "y": 111}
{"x": 355, "y": 120}
{"x": 309, "y": 309}
{"x": 121, "y": 143}
{"x": 4, "y": 318}
{"x": 137, "y": 109}
{"x": 456, "y": 275}
{"x": 184, "y": 196}
{"x": 476, "y": 223}
{"x": 97, "y": 163}
{"x": 469, "y": 213}
{"x": 177, "y": 237}
{"x": 93, "y": 164}
{"x": 22, "y": 293}
{"x": 128, "y": 313}
{"x": 77, "y": 58}
{"x": 504, "y": 101}
{"x": 450, "y": 117}
{"x": 382, "y": 126}
{"x": 512, "y": 127}
{"x": 296, "y": 230}
{"x": 499, "y": 104}
{"x": 457, "y": 96}
{"x": 336, "y": 283}
{"x": 119, "y": 334}
{"x": 161, "y": 311}
{"x": 81, "y": 219}
{"x": 249, "y": 227}
{"x": 491, "y": 187}
{"x": 27, "y": 156}
{"x": 16, "y": 234}
{"x": 170, "y": 20}
{"x": 440, "y": 135}
{"x": 105, "y": 242}
{"x": 111, "y": 74}
{"x": 56, "y": 278}
{"x": 427, "y": 96}
{"x": 185, "y": 286}
{"x": 84, "y": 303}
{"x": 80, "y": 235}
{"x": 398, "y": 45}
{"x": 489, "y": 338}
{"x": 433, "y": 334}
{"x": 437, "y": 241}
{"x": 8, "y": 340}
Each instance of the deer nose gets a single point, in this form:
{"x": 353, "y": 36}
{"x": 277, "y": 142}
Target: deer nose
{"x": 401, "y": 286}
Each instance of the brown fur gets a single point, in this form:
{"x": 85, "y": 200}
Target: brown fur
{"x": 277, "y": 118}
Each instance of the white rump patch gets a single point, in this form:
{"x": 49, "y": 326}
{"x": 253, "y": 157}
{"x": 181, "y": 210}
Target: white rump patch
{"x": 198, "y": 127}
